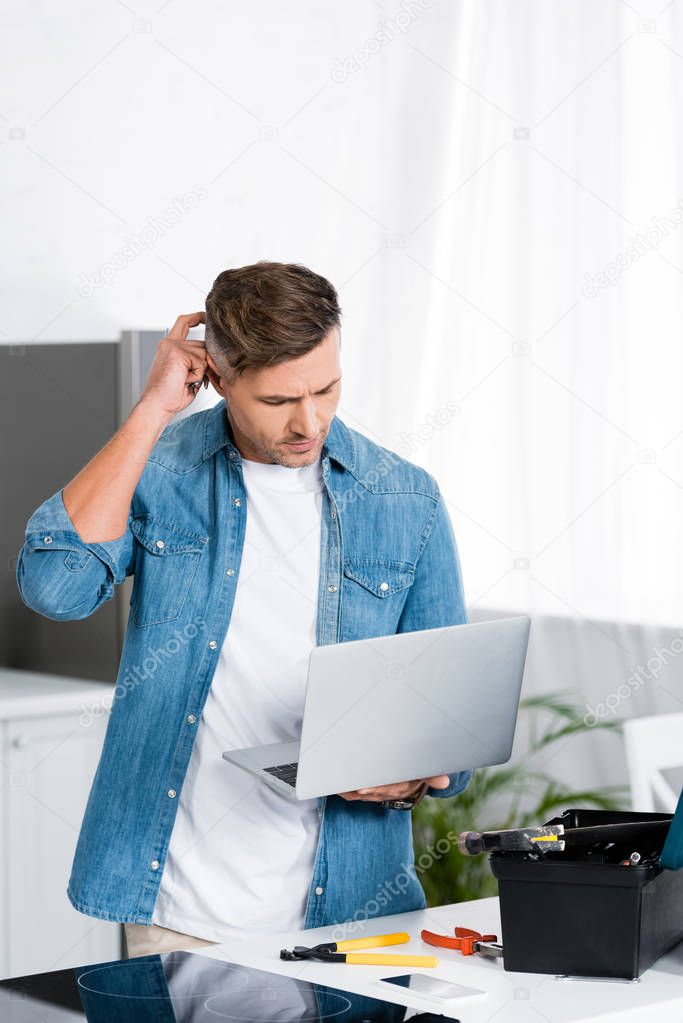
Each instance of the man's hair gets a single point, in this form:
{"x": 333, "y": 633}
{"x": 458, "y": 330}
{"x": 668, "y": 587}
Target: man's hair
{"x": 266, "y": 313}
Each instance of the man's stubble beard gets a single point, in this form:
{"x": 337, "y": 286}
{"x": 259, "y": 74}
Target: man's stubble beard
{"x": 292, "y": 461}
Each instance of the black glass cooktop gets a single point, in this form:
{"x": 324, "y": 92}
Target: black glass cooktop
{"x": 182, "y": 987}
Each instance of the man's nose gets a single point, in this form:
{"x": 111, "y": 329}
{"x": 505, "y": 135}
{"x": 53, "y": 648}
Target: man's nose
{"x": 304, "y": 422}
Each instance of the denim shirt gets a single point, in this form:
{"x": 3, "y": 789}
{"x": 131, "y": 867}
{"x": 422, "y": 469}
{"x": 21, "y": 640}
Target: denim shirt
{"x": 389, "y": 564}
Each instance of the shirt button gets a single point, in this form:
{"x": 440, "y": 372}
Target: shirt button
{"x": 384, "y": 586}
{"x": 213, "y": 644}
{"x": 230, "y": 571}
{"x": 47, "y": 539}
{"x": 237, "y": 502}
{"x": 191, "y": 719}
{"x": 333, "y": 514}
{"x": 160, "y": 544}
{"x": 319, "y": 890}
{"x": 232, "y": 455}
{"x": 172, "y": 793}
{"x": 154, "y": 864}
{"x": 332, "y": 588}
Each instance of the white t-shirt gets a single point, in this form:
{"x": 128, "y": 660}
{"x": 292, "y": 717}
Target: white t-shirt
{"x": 241, "y": 856}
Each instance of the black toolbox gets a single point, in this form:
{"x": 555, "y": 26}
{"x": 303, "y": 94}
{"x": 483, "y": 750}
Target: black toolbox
{"x": 582, "y": 912}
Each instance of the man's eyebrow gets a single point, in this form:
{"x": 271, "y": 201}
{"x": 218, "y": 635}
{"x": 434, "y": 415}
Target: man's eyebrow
{"x": 285, "y": 397}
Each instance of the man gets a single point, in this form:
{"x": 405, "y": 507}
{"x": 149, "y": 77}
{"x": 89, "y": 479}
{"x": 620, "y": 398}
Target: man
{"x": 255, "y": 531}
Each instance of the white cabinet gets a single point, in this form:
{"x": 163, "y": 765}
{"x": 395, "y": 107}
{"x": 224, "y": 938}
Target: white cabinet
{"x": 51, "y": 734}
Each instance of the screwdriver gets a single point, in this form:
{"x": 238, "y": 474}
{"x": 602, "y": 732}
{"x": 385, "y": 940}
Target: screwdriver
{"x": 554, "y": 837}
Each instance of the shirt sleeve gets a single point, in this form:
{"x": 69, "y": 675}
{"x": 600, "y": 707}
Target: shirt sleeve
{"x": 62, "y": 577}
{"x": 436, "y": 599}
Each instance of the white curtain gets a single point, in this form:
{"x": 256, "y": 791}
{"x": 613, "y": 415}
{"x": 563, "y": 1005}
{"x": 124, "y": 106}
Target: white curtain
{"x": 545, "y": 138}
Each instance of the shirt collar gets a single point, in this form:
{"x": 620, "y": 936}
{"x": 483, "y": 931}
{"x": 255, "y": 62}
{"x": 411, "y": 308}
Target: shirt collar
{"x": 338, "y": 444}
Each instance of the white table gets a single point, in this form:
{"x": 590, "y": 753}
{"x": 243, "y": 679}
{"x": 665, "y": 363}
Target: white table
{"x": 510, "y": 997}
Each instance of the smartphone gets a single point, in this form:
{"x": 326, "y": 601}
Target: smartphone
{"x": 434, "y": 987}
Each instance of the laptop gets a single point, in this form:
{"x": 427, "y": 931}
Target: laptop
{"x": 400, "y": 707}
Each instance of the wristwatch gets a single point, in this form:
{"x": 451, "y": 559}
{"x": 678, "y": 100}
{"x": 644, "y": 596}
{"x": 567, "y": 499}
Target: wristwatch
{"x": 406, "y": 804}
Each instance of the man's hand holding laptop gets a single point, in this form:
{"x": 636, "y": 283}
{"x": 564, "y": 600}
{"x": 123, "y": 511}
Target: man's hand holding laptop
{"x": 394, "y": 732}
{"x": 401, "y": 790}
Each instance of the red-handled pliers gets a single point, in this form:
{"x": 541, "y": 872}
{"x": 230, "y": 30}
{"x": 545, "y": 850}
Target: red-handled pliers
{"x": 466, "y": 941}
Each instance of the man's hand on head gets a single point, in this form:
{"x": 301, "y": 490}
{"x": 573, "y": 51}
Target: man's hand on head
{"x": 400, "y": 790}
{"x": 178, "y": 369}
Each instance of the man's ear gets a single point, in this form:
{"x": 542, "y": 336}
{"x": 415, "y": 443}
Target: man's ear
{"x": 214, "y": 375}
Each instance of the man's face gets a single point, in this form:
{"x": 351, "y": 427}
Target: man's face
{"x": 295, "y": 401}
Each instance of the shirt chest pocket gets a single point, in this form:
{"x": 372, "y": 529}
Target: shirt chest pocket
{"x": 374, "y": 592}
{"x": 166, "y": 562}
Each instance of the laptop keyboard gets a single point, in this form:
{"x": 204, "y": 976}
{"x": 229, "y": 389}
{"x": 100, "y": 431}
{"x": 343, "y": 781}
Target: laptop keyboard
{"x": 285, "y": 772}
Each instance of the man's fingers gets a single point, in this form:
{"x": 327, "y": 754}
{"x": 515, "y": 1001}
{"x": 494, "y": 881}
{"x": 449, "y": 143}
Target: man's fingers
{"x": 439, "y": 781}
{"x": 384, "y": 792}
{"x": 197, "y": 369}
{"x": 400, "y": 790}
{"x": 377, "y": 794}
{"x": 355, "y": 794}
{"x": 181, "y": 327}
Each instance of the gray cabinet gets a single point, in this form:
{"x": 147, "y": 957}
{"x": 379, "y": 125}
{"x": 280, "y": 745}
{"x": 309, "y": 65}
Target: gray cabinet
{"x": 59, "y": 405}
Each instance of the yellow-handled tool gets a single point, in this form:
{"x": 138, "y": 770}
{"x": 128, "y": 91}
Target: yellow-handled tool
{"x": 345, "y": 952}
{"x": 379, "y": 941}
{"x": 379, "y": 959}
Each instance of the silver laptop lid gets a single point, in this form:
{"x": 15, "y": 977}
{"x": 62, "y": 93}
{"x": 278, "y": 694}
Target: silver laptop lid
{"x": 411, "y": 705}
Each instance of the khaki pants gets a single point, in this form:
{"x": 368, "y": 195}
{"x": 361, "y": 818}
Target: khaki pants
{"x": 144, "y": 940}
